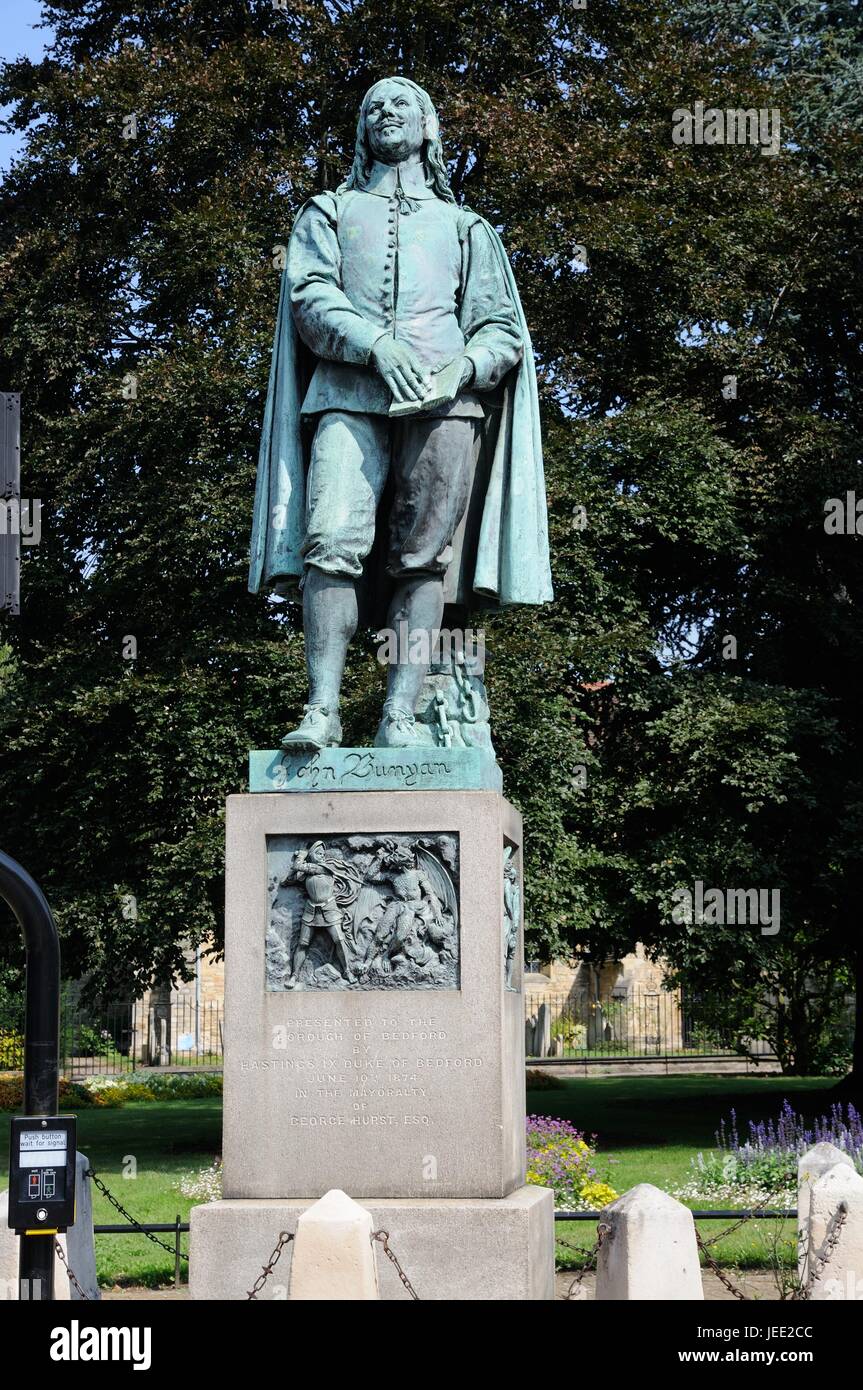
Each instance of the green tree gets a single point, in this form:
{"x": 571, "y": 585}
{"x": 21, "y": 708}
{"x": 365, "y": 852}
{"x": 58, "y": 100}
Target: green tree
{"x": 681, "y": 513}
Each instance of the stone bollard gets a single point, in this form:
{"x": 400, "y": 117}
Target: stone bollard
{"x": 80, "y": 1241}
{"x": 650, "y": 1251}
{"x": 840, "y": 1276}
{"x": 333, "y": 1257}
{"x": 9, "y": 1260}
{"x": 810, "y": 1167}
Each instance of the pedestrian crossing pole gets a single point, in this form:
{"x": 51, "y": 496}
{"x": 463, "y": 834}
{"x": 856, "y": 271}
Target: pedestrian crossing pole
{"x": 41, "y": 1049}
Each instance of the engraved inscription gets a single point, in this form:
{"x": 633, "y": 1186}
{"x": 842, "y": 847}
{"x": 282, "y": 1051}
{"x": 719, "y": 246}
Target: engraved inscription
{"x": 361, "y": 1081}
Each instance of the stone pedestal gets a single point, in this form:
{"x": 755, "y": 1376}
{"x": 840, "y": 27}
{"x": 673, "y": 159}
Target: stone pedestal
{"x": 374, "y": 1037}
{"x": 459, "y": 1250}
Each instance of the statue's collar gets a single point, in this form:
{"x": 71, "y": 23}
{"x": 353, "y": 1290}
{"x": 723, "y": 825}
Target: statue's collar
{"x": 384, "y": 179}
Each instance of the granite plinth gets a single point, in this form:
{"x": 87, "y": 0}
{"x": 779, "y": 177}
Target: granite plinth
{"x": 453, "y": 1250}
{"x": 410, "y": 1093}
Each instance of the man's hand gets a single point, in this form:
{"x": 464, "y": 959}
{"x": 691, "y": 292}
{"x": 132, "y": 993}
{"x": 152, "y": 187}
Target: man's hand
{"x": 467, "y": 372}
{"x": 401, "y": 370}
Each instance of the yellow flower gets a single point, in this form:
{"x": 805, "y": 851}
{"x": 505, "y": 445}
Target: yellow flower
{"x": 598, "y": 1194}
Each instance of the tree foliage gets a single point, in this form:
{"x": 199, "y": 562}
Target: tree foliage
{"x": 683, "y": 512}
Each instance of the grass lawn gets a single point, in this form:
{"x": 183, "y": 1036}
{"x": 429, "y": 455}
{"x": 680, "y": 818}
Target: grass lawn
{"x": 166, "y": 1140}
{"x": 649, "y": 1126}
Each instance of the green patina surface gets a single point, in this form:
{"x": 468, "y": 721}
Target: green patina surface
{"x": 374, "y": 769}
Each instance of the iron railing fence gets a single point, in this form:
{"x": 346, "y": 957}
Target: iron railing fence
{"x": 183, "y": 1032}
{"x": 639, "y": 1024}
{"x": 175, "y": 1032}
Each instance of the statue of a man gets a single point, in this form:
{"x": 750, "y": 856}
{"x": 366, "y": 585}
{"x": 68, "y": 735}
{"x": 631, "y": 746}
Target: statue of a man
{"x": 395, "y": 298}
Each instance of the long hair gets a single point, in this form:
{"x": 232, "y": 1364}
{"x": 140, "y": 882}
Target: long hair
{"x": 432, "y": 152}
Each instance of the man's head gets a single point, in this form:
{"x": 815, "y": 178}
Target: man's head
{"x": 398, "y": 121}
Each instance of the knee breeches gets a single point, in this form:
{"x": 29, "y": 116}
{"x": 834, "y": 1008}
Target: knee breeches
{"x": 431, "y": 462}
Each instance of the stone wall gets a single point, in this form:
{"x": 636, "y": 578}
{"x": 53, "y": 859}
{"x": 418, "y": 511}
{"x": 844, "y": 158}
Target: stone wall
{"x": 168, "y": 1021}
{"x": 619, "y": 1005}
{"x": 578, "y": 980}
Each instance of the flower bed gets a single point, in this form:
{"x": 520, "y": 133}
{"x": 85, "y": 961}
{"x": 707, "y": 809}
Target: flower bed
{"x": 761, "y": 1170}
{"x": 205, "y": 1185}
{"x": 559, "y": 1157}
{"x": 110, "y": 1092}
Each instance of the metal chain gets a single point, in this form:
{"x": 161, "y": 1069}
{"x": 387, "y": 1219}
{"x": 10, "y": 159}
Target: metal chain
{"x": 467, "y": 694}
{"x": 802, "y": 1295}
{"x": 284, "y": 1239}
{"x": 70, "y": 1271}
{"x": 720, "y": 1273}
{"x": 729, "y": 1230}
{"x": 441, "y": 712}
{"x": 602, "y": 1231}
{"x": 128, "y": 1215}
{"x": 384, "y": 1238}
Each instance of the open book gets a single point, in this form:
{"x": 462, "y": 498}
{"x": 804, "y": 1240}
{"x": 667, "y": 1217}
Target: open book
{"x": 444, "y": 388}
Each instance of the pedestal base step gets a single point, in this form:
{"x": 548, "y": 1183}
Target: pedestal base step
{"x": 461, "y": 1249}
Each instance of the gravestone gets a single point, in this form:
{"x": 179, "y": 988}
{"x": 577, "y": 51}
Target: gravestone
{"x": 542, "y": 1035}
{"x": 596, "y": 1028}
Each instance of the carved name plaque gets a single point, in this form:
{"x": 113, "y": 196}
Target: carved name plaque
{"x": 374, "y": 769}
{"x": 360, "y": 912}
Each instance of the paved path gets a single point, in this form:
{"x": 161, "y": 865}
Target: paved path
{"x": 755, "y": 1283}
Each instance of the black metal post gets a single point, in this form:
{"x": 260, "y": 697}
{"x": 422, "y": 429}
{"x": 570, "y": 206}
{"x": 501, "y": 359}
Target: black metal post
{"x": 41, "y": 1043}
{"x": 10, "y": 492}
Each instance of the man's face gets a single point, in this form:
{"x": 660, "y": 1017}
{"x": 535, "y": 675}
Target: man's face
{"x": 394, "y": 123}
